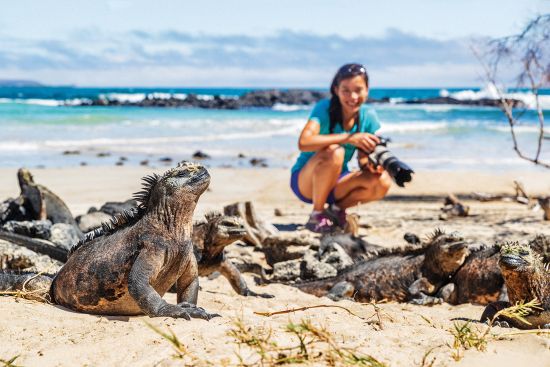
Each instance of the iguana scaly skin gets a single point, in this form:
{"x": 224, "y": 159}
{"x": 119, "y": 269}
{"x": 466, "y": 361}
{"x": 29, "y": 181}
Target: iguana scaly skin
{"x": 526, "y": 278}
{"x": 126, "y": 267}
{"x": 210, "y": 238}
{"x": 413, "y": 276}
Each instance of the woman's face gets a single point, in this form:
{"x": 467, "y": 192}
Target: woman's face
{"x": 352, "y": 92}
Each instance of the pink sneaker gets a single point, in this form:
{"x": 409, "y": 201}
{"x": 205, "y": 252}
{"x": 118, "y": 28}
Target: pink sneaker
{"x": 320, "y": 223}
{"x": 338, "y": 216}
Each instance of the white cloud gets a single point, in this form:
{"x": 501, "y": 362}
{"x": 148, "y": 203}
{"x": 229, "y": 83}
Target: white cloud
{"x": 171, "y": 58}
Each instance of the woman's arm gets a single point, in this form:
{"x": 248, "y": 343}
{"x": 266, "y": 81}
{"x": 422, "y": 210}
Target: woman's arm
{"x": 310, "y": 139}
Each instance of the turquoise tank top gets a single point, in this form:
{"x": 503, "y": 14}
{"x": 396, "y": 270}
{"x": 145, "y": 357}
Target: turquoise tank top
{"x": 368, "y": 120}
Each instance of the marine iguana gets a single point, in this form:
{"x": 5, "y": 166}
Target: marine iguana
{"x": 413, "y": 276}
{"x": 124, "y": 268}
{"x": 37, "y": 202}
{"x": 478, "y": 280}
{"x": 527, "y": 278}
{"x": 210, "y": 238}
{"x": 52, "y": 206}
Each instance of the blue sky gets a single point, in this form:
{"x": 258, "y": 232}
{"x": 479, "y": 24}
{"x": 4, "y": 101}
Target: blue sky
{"x": 251, "y": 43}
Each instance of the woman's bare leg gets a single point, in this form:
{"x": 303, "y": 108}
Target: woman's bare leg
{"x": 361, "y": 187}
{"x": 320, "y": 175}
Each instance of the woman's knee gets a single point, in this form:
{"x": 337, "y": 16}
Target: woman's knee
{"x": 334, "y": 153}
{"x": 383, "y": 185}
{"x": 375, "y": 187}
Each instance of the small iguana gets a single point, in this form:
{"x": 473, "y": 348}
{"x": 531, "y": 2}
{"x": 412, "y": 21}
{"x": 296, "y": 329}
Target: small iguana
{"x": 124, "y": 268}
{"x": 415, "y": 275}
{"x": 526, "y": 278}
{"x": 210, "y": 238}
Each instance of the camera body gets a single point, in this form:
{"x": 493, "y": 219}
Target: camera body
{"x": 399, "y": 171}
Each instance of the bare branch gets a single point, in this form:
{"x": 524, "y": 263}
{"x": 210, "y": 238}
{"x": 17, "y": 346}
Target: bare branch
{"x": 529, "y": 51}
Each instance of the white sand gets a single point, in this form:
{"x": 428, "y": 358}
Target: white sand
{"x": 47, "y": 335}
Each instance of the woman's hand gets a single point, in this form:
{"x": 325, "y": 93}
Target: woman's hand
{"x": 366, "y": 165}
{"x": 364, "y": 141}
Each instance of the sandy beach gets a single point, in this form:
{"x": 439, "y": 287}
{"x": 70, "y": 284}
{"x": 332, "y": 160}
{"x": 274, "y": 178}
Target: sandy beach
{"x": 396, "y": 335}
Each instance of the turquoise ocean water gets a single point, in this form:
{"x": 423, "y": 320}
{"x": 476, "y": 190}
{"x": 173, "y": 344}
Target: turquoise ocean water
{"x": 36, "y": 127}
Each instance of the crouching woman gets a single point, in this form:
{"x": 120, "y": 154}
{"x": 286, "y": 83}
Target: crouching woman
{"x": 336, "y": 128}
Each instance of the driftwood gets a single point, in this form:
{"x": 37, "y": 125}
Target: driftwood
{"x": 453, "y": 207}
{"x": 257, "y": 230}
{"x": 545, "y": 205}
{"x": 521, "y": 197}
{"x": 36, "y": 245}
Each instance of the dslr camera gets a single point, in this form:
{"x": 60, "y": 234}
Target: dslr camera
{"x": 399, "y": 171}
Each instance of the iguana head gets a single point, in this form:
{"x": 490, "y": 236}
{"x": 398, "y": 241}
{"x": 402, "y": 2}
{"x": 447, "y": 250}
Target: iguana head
{"x": 524, "y": 272}
{"x": 446, "y": 253}
{"x": 182, "y": 184}
{"x": 226, "y": 229}
{"x": 217, "y": 232}
{"x": 171, "y": 197}
{"x": 187, "y": 177}
{"x": 24, "y": 177}
{"x": 516, "y": 257}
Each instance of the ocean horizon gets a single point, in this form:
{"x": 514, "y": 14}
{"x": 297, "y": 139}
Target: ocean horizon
{"x": 46, "y": 127}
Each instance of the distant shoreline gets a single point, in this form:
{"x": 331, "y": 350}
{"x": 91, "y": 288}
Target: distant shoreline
{"x": 269, "y": 98}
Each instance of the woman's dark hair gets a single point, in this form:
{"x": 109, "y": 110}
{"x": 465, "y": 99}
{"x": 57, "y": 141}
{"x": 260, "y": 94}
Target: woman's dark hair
{"x": 345, "y": 72}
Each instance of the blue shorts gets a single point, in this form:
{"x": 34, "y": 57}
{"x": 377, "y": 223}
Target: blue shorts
{"x": 294, "y": 186}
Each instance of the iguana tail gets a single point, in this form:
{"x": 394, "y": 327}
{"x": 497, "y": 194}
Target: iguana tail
{"x": 26, "y": 285}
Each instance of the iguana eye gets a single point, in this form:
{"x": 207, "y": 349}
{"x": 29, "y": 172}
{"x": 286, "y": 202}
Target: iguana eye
{"x": 523, "y": 252}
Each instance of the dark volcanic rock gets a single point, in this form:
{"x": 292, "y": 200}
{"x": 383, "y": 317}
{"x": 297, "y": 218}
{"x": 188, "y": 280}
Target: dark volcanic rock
{"x": 91, "y": 221}
{"x": 200, "y": 155}
{"x": 269, "y": 97}
{"x": 258, "y": 162}
{"x": 12, "y": 209}
{"x": 34, "y": 228}
{"x": 64, "y": 235}
{"x": 469, "y": 102}
{"x": 113, "y": 207}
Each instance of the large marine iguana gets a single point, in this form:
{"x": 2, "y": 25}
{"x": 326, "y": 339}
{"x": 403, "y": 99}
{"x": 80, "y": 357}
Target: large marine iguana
{"x": 527, "y": 278}
{"x": 413, "y": 276}
{"x": 126, "y": 267}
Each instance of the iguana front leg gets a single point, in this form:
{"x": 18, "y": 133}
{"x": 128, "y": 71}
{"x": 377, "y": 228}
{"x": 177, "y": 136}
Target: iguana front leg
{"x": 420, "y": 292}
{"x": 145, "y": 269}
{"x": 233, "y": 275}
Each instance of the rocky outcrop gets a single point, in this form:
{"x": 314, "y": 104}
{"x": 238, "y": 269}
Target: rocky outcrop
{"x": 271, "y": 97}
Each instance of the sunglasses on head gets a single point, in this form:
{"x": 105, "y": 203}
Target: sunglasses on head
{"x": 352, "y": 69}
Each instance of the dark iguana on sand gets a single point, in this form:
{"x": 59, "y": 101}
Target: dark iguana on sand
{"x": 210, "y": 238}
{"x": 527, "y": 278}
{"x": 414, "y": 275}
{"x": 126, "y": 267}
{"x": 41, "y": 203}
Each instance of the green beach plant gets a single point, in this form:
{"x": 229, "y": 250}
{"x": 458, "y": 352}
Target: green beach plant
{"x": 181, "y": 351}
{"x": 467, "y": 337}
{"x": 314, "y": 345}
{"x": 9, "y": 362}
{"x": 310, "y": 344}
